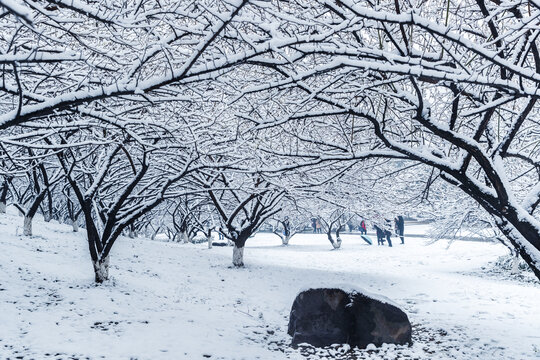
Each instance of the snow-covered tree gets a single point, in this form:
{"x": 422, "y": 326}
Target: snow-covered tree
{"x": 119, "y": 181}
{"x": 403, "y": 81}
{"x": 32, "y": 186}
{"x": 290, "y": 221}
{"x": 243, "y": 202}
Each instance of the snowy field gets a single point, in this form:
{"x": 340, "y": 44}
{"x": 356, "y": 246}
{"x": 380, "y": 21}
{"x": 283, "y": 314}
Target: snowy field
{"x": 175, "y": 301}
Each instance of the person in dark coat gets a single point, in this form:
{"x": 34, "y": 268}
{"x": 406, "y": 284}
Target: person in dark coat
{"x": 380, "y": 235}
{"x": 388, "y": 231}
{"x": 400, "y": 228}
{"x": 314, "y": 224}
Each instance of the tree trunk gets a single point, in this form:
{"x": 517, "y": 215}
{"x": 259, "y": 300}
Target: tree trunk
{"x": 208, "y": 235}
{"x": 238, "y": 256}
{"x": 101, "y": 270}
{"x": 285, "y": 240}
{"x": 524, "y": 236}
{"x": 75, "y": 225}
{"x": 337, "y": 244}
{"x": 47, "y": 217}
{"x": 3, "y": 196}
{"x": 27, "y": 227}
{"x": 184, "y": 237}
{"x": 131, "y": 233}
{"x": 515, "y": 263}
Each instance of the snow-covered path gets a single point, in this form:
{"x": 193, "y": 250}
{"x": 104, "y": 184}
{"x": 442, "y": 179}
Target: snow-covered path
{"x": 174, "y": 301}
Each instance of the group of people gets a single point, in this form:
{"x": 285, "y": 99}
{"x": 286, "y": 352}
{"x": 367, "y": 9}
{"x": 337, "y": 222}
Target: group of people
{"x": 317, "y": 227}
{"x": 362, "y": 227}
{"x": 384, "y": 231}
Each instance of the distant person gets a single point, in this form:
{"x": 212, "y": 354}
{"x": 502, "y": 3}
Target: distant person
{"x": 380, "y": 235}
{"x": 318, "y": 226}
{"x": 350, "y": 225}
{"x": 400, "y": 228}
{"x": 314, "y": 225}
{"x": 388, "y": 231}
{"x": 363, "y": 230}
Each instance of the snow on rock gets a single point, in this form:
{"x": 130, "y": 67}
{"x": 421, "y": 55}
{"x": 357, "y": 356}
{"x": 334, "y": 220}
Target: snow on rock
{"x": 184, "y": 301}
{"x": 348, "y": 288}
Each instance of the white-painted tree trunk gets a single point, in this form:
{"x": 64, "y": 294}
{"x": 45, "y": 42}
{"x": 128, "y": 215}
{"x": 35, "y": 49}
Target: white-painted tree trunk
{"x": 285, "y": 240}
{"x": 75, "y": 225}
{"x": 515, "y": 263}
{"x": 337, "y": 244}
{"x": 238, "y": 256}
{"x": 27, "y": 226}
{"x": 131, "y": 233}
{"x": 209, "y": 239}
{"x": 184, "y": 237}
{"x": 101, "y": 270}
{"x": 47, "y": 217}
{"x": 2, "y": 207}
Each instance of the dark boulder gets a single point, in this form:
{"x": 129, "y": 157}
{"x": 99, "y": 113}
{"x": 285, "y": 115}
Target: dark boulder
{"x": 319, "y": 317}
{"x": 323, "y": 317}
{"x": 377, "y": 322}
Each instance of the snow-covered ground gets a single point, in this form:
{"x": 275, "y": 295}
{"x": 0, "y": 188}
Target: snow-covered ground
{"x": 182, "y": 301}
